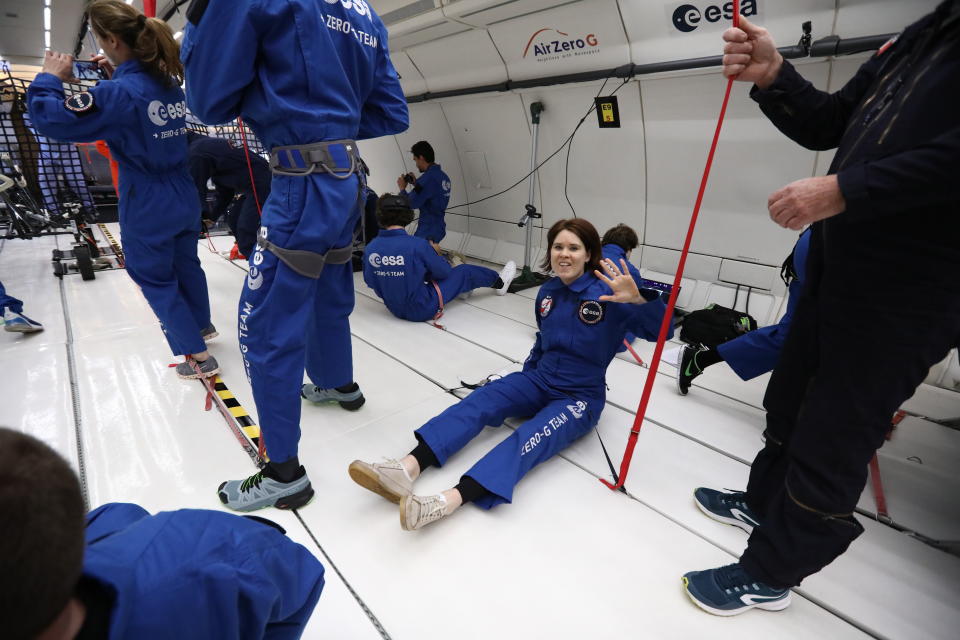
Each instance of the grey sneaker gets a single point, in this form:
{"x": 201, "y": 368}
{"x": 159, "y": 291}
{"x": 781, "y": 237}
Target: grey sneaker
{"x": 388, "y": 479}
{"x": 259, "y": 491}
{"x": 188, "y": 370}
{"x": 350, "y": 400}
{"x": 507, "y": 274}
{"x": 18, "y": 323}
{"x": 209, "y": 333}
{"x": 419, "y": 511}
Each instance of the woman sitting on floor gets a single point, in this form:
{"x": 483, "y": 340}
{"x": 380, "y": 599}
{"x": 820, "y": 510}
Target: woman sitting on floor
{"x": 582, "y": 315}
{"x": 410, "y": 277}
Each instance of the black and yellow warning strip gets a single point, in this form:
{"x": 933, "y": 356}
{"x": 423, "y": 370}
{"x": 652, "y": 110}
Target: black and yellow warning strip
{"x": 117, "y": 250}
{"x": 238, "y": 420}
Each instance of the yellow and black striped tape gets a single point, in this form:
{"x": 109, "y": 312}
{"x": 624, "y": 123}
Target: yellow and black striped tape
{"x": 249, "y": 428}
{"x": 117, "y": 250}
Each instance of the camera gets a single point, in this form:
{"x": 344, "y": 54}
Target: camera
{"x": 87, "y": 70}
{"x": 409, "y": 178}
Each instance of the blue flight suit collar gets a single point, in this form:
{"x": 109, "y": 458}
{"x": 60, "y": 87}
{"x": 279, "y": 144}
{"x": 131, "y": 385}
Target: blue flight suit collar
{"x": 392, "y": 232}
{"x": 616, "y": 251}
{"x": 577, "y": 286}
{"x": 130, "y": 66}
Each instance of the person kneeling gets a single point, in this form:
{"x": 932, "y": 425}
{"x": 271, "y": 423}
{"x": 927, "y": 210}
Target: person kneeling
{"x": 412, "y": 280}
{"x": 582, "y": 316}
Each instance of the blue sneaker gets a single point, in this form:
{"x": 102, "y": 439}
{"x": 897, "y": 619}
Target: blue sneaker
{"x": 349, "y": 396}
{"x": 19, "y": 323}
{"x": 728, "y": 591}
{"x": 729, "y": 508}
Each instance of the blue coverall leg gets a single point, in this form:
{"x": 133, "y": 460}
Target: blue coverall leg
{"x": 558, "y": 420}
{"x": 281, "y": 310}
{"x": 9, "y": 302}
{"x": 465, "y": 277}
{"x": 161, "y": 257}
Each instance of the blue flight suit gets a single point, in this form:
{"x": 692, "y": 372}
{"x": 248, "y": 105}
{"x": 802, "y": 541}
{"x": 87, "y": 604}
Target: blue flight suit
{"x": 298, "y": 72}
{"x": 757, "y": 352}
{"x": 431, "y": 195}
{"x": 226, "y": 165}
{"x": 9, "y": 302}
{"x": 199, "y": 574}
{"x": 402, "y": 269}
{"x": 616, "y": 253}
{"x": 562, "y": 385}
{"x": 142, "y": 120}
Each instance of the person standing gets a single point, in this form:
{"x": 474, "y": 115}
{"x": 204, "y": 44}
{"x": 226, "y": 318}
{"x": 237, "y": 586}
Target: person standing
{"x": 880, "y": 305}
{"x": 140, "y": 113}
{"x": 308, "y": 100}
{"x": 430, "y": 193}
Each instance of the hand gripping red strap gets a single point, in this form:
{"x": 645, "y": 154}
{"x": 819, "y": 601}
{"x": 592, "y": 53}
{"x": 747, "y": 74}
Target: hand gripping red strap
{"x": 668, "y": 314}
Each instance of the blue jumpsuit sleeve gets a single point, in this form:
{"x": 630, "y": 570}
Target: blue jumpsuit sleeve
{"x": 368, "y": 276}
{"x": 437, "y": 267}
{"x": 200, "y": 170}
{"x": 643, "y": 320}
{"x": 536, "y": 352}
{"x": 45, "y": 99}
{"x": 420, "y": 193}
{"x": 385, "y": 110}
{"x": 109, "y": 518}
{"x": 219, "y": 57}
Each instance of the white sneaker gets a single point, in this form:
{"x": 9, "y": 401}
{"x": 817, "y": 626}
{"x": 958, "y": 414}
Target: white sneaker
{"x": 18, "y": 323}
{"x": 507, "y": 274}
{"x": 419, "y": 511}
{"x": 388, "y": 479}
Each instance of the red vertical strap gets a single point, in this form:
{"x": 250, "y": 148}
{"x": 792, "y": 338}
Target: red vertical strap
{"x": 246, "y": 151}
{"x": 668, "y": 314}
{"x": 150, "y": 8}
{"x": 635, "y": 355}
{"x": 436, "y": 318}
{"x": 877, "y": 483}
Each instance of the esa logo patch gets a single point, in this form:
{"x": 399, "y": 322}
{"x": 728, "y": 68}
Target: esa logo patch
{"x": 591, "y": 312}
{"x": 545, "y": 306}
{"x": 377, "y": 261}
{"x": 80, "y": 102}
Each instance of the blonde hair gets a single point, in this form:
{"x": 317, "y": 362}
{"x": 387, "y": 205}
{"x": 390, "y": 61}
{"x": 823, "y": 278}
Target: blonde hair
{"x": 150, "y": 39}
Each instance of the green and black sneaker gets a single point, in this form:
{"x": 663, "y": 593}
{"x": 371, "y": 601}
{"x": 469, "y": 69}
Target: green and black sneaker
{"x": 688, "y": 369}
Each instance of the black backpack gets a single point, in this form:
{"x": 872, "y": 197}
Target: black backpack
{"x": 715, "y": 325}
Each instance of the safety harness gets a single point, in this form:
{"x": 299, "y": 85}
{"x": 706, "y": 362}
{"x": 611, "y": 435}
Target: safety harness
{"x": 337, "y": 158}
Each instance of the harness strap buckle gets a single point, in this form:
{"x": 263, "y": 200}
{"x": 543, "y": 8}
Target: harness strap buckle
{"x": 308, "y": 264}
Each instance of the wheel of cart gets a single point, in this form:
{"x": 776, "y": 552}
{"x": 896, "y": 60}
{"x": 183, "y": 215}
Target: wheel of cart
{"x": 84, "y": 262}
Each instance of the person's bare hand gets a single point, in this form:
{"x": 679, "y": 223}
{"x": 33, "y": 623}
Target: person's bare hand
{"x": 104, "y": 64}
{"x": 59, "y": 64}
{"x": 806, "y": 201}
{"x": 401, "y": 184}
{"x": 750, "y": 54}
{"x": 621, "y": 283}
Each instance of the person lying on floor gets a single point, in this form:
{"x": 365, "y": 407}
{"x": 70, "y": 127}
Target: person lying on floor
{"x": 412, "y": 280}
{"x": 582, "y": 315}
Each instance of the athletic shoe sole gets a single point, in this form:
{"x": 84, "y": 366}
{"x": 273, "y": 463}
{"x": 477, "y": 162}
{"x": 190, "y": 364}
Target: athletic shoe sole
{"x": 21, "y": 328}
{"x": 776, "y": 605}
{"x": 680, "y": 388}
{"x": 368, "y": 478}
{"x": 210, "y": 336}
{"x": 349, "y": 405}
{"x": 710, "y": 514}
{"x": 293, "y": 501}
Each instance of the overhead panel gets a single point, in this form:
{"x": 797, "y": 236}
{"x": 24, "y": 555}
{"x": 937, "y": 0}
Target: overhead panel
{"x": 578, "y": 37}
{"x": 421, "y": 28}
{"x": 393, "y": 11}
{"x": 857, "y": 18}
{"x": 661, "y": 31}
{"x": 753, "y": 160}
{"x": 464, "y": 60}
{"x": 410, "y": 79}
{"x": 483, "y": 13}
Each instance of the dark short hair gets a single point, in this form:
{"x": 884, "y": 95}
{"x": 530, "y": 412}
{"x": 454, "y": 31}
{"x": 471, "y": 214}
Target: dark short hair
{"x": 42, "y": 527}
{"x": 424, "y": 150}
{"x": 393, "y": 210}
{"x": 622, "y": 236}
{"x": 588, "y": 235}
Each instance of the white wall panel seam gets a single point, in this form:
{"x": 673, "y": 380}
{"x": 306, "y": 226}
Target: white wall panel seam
{"x": 646, "y": 168}
{"x": 463, "y": 174}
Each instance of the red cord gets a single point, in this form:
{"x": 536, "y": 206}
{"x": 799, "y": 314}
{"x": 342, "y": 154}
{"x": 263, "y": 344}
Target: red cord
{"x": 668, "y": 314}
{"x": 632, "y": 352}
{"x": 246, "y": 151}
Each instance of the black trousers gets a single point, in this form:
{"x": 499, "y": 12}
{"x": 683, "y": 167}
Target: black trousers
{"x": 853, "y": 355}
{"x": 243, "y": 218}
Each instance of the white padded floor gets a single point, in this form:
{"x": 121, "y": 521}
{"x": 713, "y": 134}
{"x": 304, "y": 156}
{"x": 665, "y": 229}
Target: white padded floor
{"x": 569, "y": 559}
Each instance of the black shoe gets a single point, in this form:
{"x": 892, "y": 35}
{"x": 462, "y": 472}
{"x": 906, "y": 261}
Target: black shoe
{"x": 688, "y": 369}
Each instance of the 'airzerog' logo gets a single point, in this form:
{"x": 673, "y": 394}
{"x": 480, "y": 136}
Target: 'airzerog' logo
{"x": 688, "y": 17}
{"x": 550, "y": 49}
